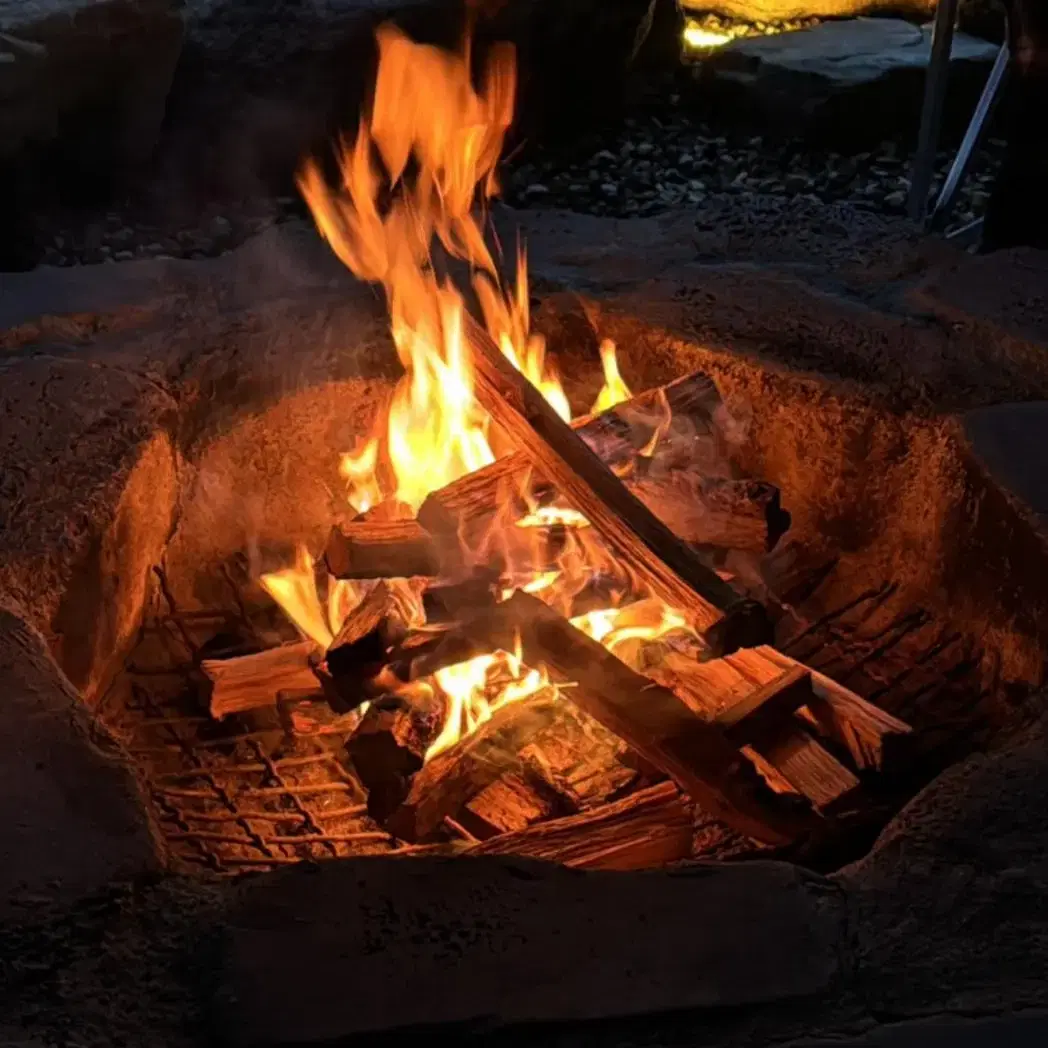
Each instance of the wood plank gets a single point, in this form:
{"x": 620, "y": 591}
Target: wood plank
{"x": 653, "y": 721}
{"x": 250, "y": 682}
{"x": 653, "y": 827}
{"x": 669, "y": 566}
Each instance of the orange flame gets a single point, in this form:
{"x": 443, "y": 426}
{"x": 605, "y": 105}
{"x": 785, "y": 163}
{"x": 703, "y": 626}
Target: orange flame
{"x": 423, "y": 160}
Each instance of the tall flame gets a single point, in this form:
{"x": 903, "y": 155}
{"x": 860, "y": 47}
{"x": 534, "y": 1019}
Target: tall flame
{"x": 404, "y": 214}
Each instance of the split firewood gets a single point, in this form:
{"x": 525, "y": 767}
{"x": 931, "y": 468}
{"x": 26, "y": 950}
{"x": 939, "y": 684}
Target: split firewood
{"x": 358, "y": 653}
{"x": 389, "y": 746}
{"x": 653, "y": 721}
{"x": 250, "y": 682}
{"x": 466, "y": 508}
{"x": 667, "y": 564}
{"x": 860, "y": 726}
{"x": 511, "y": 803}
{"x": 651, "y": 828}
{"x": 451, "y": 778}
{"x": 790, "y": 758}
{"x": 715, "y": 511}
{"x": 764, "y": 711}
{"x": 381, "y": 549}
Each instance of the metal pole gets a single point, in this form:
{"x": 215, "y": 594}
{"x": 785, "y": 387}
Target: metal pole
{"x": 972, "y": 137}
{"x": 931, "y": 113}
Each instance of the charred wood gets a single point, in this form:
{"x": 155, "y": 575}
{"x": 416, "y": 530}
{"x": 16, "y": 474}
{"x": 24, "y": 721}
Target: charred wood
{"x": 389, "y": 746}
{"x": 715, "y": 511}
{"x": 358, "y": 652}
{"x": 668, "y": 565}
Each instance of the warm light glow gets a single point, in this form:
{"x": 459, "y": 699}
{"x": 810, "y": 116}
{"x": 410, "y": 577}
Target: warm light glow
{"x": 412, "y": 181}
{"x": 699, "y": 39}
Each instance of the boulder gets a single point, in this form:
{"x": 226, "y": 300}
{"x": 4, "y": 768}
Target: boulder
{"x": 93, "y": 74}
{"x": 71, "y": 818}
{"x": 851, "y": 83}
{"x": 949, "y": 905}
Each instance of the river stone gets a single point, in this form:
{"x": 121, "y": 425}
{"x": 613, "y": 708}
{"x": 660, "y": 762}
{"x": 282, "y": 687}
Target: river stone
{"x": 313, "y": 954}
{"x": 70, "y": 820}
{"x": 94, "y": 74}
{"x": 854, "y": 82}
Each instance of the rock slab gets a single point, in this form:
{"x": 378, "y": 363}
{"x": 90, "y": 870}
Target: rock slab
{"x": 856, "y": 82}
{"x": 314, "y": 954}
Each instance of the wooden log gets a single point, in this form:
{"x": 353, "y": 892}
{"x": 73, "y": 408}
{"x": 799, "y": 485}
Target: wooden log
{"x": 466, "y": 508}
{"x": 668, "y": 565}
{"x": 840, "y": 713}
{"x": 653, "y": 721}
{"x": 389, "y": 746}
{"x": 250, "y": 682}
{"x": 651, "y": 828}
{"x": 359, "y": 650}
{"x": 451, "y": 778}
{"x": 509, "y": 804}
{"x": 764, "y": 711}
{"x": 381, "y": 549}
{"x": 715, "y": 511}
{"x": 790, "y": 759}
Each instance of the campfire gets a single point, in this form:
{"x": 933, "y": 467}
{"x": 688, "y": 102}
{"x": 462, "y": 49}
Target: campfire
{"x": 530, "y": 631}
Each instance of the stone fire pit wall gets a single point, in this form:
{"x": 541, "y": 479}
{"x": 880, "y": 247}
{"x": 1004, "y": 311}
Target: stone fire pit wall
{"x": 185, "y": 413}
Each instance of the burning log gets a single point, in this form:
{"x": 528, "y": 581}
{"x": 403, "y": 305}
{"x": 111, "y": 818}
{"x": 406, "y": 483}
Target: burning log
{"x": 451, "y": 778}
{"x": 860, "y": 726}
{"x": 381, "y": 549}
{"x": 653, "y": 827}
{"x": 466, "y": 507}
{"x": 358, "y": 653}
{"x": 763, "y": 711}
{"x": 250, "y": 682}
{"x": 669, "y": 566}
{"x": 389, "y": 746}
{"x": 653, "y": 721}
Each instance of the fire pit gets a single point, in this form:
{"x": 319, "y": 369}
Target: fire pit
{"x": 689, "y": 623}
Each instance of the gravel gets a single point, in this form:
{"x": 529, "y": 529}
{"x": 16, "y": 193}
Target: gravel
{"x": 670, "y": 161}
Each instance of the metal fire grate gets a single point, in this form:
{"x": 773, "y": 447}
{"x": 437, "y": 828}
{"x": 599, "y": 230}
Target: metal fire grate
{"x": 272, "y": 787}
